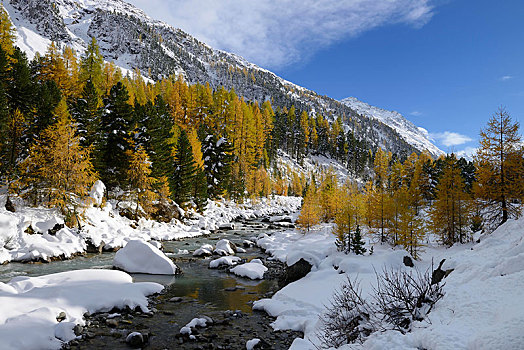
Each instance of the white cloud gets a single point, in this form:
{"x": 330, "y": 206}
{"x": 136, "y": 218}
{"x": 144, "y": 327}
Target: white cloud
{"x": 467, "y": 153}
{"x": 276, "y": 33}
{"x": 505, "y": 77}
{"x": 416, "y": 113}
{"x": 449, "y": 138}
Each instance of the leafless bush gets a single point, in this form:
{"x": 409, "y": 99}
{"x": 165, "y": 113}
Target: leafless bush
{"x": 347, "y": 318}
{"x": 399, "y": 297}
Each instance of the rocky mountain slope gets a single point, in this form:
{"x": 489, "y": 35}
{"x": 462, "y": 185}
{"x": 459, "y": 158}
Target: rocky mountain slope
{"x": 132, "y": 39}
{"x": 415, "y": 136}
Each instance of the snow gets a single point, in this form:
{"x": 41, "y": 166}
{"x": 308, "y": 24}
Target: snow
{"x": 97, "y": 192}
{"x": 254, "y": 270}
{"x": 224, "y": 247}
{"x": 225, "y": 260}
{"x": 142, "y": 257}
{"x": 103, "y": 226}
{"x": 205, "y": 250}
{"x": 30, "y": 305}
{"x": 195, "y": 322}
{"x": 413, "y": 135}
{"x": 482, "y": 307}
{"x": 250, "y": 344}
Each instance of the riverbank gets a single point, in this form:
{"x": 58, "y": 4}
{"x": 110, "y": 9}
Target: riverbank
{"x": 200, "y": 291}
{"x": 39, "y": 235}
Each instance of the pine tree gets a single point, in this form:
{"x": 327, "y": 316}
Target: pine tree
{"x": 87, "y": 113}
{"x": 500, "y": 169}
{"x": 58, "y": 170}
{"x": 217, "y": 156}
{"x": 115, "y": 125}
{"x": 185, "y": 171}
{"x": 357, "y": 242}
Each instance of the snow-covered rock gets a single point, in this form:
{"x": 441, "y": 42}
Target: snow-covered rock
{"x": 252, "y": 270}
{"x": 142, "y": 257}
{"x": 225, "y": 247}
{"x": 30, "y": 305}
{"x": 225, "y": 260}
{"x": 194, "y": 323}
{"x": 205, "y": 250}
{"x": 97, "y": 192}
{"x": 250, "y": 344}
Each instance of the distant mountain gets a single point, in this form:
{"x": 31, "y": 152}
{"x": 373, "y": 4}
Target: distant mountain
{"x": 132, "y": 39}
{"x": 415, "y": 136}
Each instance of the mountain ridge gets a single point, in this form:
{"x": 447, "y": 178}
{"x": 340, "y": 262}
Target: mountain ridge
{"x": 131, "y": 39}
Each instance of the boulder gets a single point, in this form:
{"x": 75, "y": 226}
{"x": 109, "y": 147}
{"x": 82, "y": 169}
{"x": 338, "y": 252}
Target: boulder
{"x": 408, "y": 261}
{"x": 136, "y": 339}
{"x": 295, "y": 272}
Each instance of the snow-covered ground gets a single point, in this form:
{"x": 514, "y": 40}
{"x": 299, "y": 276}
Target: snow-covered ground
{"x": 42, "y": 312}
{"x": 103, "y": 226}
{"x": 482, "y": 308}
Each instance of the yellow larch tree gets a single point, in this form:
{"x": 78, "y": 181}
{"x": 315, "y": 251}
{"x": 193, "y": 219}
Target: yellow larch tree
{"x": 500, "y": 169}
{"x": 58, "y": 170}
{"x": 451, "y": 211}
{"x": 310, "y": 214}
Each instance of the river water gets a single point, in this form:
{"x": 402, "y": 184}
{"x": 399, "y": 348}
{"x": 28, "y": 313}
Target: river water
{"x": 225, "y": 298}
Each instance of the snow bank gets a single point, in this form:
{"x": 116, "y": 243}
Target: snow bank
{"x": 103, "y": 226}
{"x": 142, "y": 257}
{"x": 225, "y": 260}
{"x": 254, "y": 270}
{"x": 30, "y": 305}
{"x": 483, "y": 305}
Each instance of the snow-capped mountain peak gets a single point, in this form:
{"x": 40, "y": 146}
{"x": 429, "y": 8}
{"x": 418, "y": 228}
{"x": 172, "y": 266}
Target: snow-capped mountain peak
{"x": 415, "y": 136}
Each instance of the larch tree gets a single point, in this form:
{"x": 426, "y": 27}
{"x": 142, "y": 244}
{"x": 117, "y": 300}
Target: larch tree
{"x": 141, "y": 183}
{"x": 380, "y": 199}
{"x": 451, "y": 211}
{"x": 91, "y": 66}
{"x": 500, "y": 169}
{"x": 58, "y": 170}
{"x": 310, "y": 213}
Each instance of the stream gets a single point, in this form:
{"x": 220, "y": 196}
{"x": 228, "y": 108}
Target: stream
{"x": 198, "y": 291}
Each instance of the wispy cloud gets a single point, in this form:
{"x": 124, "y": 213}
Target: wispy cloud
{"x": 276, "y": 33}
{"x": 416, "y": 113}
{"x": 449, "y": 138}
{"x": 505, "y": 77}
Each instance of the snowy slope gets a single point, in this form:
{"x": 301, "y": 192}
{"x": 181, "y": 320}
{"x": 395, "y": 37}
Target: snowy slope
{"x": 483, "y": 302}
{"x": 416, "y": 136}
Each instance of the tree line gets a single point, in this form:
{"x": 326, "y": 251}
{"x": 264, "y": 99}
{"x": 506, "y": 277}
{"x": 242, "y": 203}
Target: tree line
{"x": 404, "y": 200}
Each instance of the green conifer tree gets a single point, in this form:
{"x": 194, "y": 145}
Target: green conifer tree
{"x": 184, "y": 173}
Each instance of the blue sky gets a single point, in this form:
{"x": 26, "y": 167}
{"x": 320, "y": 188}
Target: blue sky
{"x": 446, "y": 65}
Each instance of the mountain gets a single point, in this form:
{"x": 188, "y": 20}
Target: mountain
{"x": 415, "y": 136}
{"x": 132, "y": 39}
